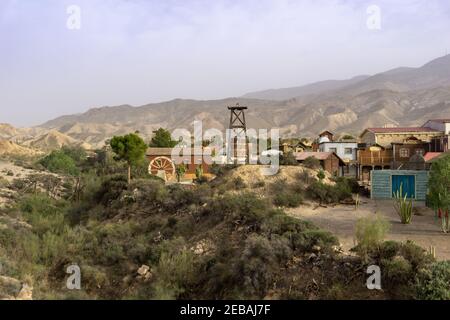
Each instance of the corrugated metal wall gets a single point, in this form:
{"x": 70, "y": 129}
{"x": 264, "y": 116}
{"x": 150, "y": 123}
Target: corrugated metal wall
{"x": 382, "y": 183}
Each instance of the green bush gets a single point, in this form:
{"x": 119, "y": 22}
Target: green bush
{"x": 312, "y": 163}
{"x": 288, "y": 199}
{"x": 288, "y": 159}
{"x": 369, "y": 234}
{"x": 433, "y": 283}
{"x": 111, "y": 189}
{"x": 59, "y": 162}
{"x": 304, "y": 241}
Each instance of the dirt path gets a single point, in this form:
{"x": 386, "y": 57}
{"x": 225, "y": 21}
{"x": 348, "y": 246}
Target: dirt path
{"x": 424, "y": 230}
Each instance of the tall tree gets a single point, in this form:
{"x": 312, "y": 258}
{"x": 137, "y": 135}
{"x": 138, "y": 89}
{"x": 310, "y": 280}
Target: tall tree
{"x": 162, "y": 139}
{"x": 130, "y": 148}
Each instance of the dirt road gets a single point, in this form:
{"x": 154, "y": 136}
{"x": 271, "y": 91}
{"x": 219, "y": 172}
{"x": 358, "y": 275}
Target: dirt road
{"x": 424, "y": 230}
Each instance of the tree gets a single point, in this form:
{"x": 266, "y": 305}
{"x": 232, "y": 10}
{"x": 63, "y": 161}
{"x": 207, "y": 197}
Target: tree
{"x": 130, "y": 148}
{"x": 162, "y": 139}
{"x": 439, "y": 189}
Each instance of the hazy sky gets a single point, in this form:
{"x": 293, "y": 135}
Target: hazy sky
{"x": 136, "y": 51}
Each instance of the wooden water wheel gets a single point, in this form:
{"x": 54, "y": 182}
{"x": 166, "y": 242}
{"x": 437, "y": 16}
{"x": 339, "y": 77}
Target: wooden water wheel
{"x": 162, "y": 167}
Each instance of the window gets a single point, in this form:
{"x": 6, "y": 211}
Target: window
{"x": 333, "y": 150}
{"x": 348, "y": 151}
{"x": 420, "y": 151}
{"x": 404, "y": 153}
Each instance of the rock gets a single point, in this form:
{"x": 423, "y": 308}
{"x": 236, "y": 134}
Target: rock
{"x": 316, "y": 248}
{"x": 26, "y": 293}
{"x": 13, "y": 289}
{"x": 143, "y": 270}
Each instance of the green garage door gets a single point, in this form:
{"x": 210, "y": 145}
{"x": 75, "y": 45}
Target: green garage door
{"x": 408, "y": 184}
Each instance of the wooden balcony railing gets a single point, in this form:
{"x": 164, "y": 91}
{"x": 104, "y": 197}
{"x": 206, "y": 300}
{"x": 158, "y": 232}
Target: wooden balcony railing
{"x": 375, "y": 161}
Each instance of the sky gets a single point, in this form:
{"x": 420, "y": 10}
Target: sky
{"x": 62, "y": 57}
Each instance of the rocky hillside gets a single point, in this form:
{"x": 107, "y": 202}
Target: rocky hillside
{"x": 403, "y": 96}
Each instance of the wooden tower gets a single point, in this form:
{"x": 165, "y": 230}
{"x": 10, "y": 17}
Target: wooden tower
{"x": 237, "y": 126}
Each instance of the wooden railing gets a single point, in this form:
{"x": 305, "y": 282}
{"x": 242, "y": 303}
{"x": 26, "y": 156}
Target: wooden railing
{"x": 375, "y": 161}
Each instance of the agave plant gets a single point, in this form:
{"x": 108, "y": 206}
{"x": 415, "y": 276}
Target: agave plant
{"x": 403, "y": 206}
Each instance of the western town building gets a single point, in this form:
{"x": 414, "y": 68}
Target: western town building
{"x": 328, "y": 160}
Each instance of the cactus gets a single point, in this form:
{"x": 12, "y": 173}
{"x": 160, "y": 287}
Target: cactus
{"x": 180, "y": 171}
{"x": 444, "y": 216}
{"x": 403, "y": 206}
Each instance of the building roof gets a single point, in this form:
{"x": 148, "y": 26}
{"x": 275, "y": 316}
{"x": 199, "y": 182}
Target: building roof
{"x": 401, "y": 129}
{"x": 300, "y": 156}
{"x": 159, "y": 151}
{"x": 325, "y": 132}
{"x": 341, "y": 141}
{"x": 439, "y": 120}
{"x": 167, "y": 151}
{"x": 431, "y": 155}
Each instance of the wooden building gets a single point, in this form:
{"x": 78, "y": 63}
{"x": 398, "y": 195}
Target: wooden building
{"x": 402, "y": 152}
{"x": 162, "y": 164}
{"x": 386, "y": 136}
{"x": 328, "y": 160}
{"x": 373, "y": 157}
{"x": 386, "y": 182}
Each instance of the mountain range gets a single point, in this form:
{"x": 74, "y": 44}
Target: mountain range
{"x": 402, "y": 97}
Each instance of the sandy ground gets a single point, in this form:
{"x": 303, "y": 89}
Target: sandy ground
{"x": 424, "y": 230}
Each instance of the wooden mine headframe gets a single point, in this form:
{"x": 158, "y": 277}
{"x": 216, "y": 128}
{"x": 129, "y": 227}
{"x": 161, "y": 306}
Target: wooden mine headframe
{"x": 239, "y": 126}
{"x": 237, "y": 118}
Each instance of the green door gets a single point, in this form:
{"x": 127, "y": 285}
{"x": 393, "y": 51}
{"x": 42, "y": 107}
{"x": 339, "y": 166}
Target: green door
{"x": 408, "y": 184}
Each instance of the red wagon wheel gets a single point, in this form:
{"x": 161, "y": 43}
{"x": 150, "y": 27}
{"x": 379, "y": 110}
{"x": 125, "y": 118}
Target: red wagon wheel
{"x": 162, "y": 165}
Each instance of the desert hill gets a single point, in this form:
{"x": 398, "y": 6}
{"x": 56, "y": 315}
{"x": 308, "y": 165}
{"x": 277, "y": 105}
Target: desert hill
{"x": 8, "y": 148}
{"x": 52, "y": 140}
{"x": 402, "y": 96}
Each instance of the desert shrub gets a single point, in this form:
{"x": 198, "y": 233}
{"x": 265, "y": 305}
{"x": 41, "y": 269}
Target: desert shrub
{"x": 389, "y": 249}
{"x": 258, "y": 184}
{"x": 305, "y": 177}
{"x": 369, "y": 234}
{"x": 321, "y": 192}
{"x": 396, "y": 271}
{"x": 415, "y": 254}
{"x": 288, "y": 199}
{"x": 239, "y": 183}
{"x": 256, "y": 265}
{"x": 304, "y": 241}
{"x": 312, "y": 163}
{"x": 325, "y": 193}
{"x": 220, "y": 170}
{"x": 111, "y": 189}
{"x": 201, "y": 179}
{"x": 336, "y": 292}
{"x": 321, "y": 175}
{"x": 176, "y": 270}
{"x": 3, "y": 182}
{"x": 78, "y": 154}
{"x": 351, "y": 184}
{"x": 244, "y": 208}
{"x": 433, "y": 283}
{"x": 59, "y": 162}
{"x": 288, "y": 159}
{"x": 43, "y": 213}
